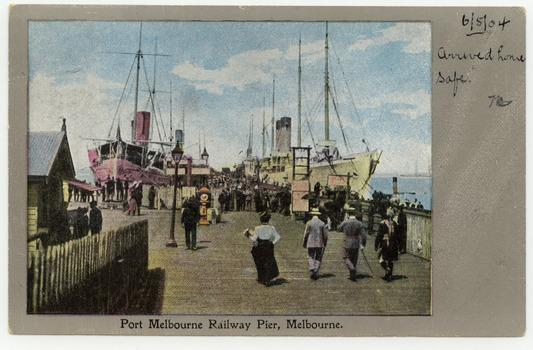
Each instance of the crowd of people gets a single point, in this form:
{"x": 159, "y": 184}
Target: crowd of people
{"x": 241, "y": 193}
{"x": 81, "y": 195}
{"x": 332, "y": 211}
{"x": 114, "y": 189}
{"x": 390, "y": 239}
{"x": 83, "y": 224}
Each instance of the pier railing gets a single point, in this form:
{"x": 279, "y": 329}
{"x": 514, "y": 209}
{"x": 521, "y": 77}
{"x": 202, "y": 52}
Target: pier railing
{"x": 419, "y": 229}
{"x": 94, "y": 274}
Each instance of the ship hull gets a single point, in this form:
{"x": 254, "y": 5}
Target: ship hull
{"x": 125, "y": 170}
{"x": 360, "y": 169}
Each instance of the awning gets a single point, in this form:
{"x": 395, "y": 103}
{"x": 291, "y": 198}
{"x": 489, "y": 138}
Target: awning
{"x": 84, "y": 185}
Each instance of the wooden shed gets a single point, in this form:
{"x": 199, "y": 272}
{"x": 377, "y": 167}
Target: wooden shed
{"x": 50, "y": 168}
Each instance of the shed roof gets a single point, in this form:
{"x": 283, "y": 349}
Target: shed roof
{"x": 42, "y": 151}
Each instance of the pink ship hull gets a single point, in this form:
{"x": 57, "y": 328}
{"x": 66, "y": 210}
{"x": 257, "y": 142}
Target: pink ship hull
{"x": 124, "y": 170}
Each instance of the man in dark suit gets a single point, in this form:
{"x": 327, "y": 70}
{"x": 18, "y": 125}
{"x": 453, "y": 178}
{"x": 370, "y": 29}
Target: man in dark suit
{"x": 95, "y": 219}
{"x": 190, "y": 217}
{"x": 387, "y": 243}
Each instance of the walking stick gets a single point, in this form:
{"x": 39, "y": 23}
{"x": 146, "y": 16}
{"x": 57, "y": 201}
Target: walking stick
{"x": 371, "y": 272}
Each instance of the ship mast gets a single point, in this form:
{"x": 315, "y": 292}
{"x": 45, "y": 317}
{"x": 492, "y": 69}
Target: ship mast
{"x": 300, "y": 92}
{"x": 264, "y": 129}
{"x": 134, "y": 122}
{"x": 326, "y": 97}
{"x": 272, "y": 146}
{"x": 250, "y": 137}
{"x": 171, "y": 135}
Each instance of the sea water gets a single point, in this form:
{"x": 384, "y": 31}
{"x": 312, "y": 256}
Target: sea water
{"x": 410, "y": 188}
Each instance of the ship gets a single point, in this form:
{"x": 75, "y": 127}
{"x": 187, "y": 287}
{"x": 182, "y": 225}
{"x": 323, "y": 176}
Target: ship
{"x": 144, "y": 160}
{"x": 327, "y": 166}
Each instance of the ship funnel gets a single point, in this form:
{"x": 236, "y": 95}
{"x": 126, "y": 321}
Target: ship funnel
{"x": 180, "y": 137}
{"x": 283, "y": 135}
{"x": 395, "y": 186}
{"x": 143, "y": 128}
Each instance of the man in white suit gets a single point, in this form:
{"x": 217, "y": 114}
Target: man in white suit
{"x": 315, "y": 240}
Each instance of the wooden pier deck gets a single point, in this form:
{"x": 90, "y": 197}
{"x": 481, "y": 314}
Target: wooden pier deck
{"x": 220, "y": 277}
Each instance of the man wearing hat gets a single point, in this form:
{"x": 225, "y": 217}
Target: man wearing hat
{"x": 315, "y": 240}
{"x": 95, "y": 219}
{"x": 354, "y": 239}
{"x": 387, "y": 243}
{"x": 81, "y": 225}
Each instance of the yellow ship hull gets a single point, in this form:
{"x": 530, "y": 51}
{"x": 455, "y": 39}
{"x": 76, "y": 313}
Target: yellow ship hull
{"x": 360, "y": 168}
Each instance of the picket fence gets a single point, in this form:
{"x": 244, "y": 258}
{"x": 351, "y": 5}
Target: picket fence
{"x": 55, "y": 271}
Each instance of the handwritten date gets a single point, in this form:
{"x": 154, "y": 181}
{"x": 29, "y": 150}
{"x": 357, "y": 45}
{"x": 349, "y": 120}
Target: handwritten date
{"x": 479, "y": 24}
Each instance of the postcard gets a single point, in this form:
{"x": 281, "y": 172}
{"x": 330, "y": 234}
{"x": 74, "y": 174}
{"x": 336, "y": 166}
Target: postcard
{"x": 271, "y": 171}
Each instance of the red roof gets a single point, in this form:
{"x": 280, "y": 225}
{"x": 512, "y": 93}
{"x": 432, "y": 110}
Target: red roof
{"x": 84, "y": 185}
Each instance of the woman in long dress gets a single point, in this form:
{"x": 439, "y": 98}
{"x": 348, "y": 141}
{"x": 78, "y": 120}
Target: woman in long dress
{"x": 264, "y": 237}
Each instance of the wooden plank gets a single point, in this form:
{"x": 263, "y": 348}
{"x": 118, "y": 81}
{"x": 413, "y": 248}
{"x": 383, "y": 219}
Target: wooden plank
{"x": 70, "y": 266}
{"x": 32, "y": 221}
{"x": 53, "y": 274}
{"x": 42, "y": 257}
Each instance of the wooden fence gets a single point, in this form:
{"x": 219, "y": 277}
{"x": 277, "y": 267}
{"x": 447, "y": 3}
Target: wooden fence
{"x": 419, "y": 232}
{"x": 64, "y": 272}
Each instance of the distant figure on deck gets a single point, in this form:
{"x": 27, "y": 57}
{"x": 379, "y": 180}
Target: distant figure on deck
{"x": 190, "y": 217}
{"x": 354, "y": 241}
{"x": 110, "y": 186}
{"x": 138, "y": 195}
{"x": 95, "y": 219}
{"x": 264, "y": 238}
{"x": 126, "y": 190}
{"x": 120, "y": 194}
{"x": 317, "y": 190}
{"x": 59, "y": 225}
{"x": 258, "y": 201}
{"x": 315, "y": 240}
{"x": 387, "y": 243}
{"x": 151, "y": 196}
{"x": 402, "y": 228}
{"x": 133, "y": 201}
{"x": 81, "y": 225}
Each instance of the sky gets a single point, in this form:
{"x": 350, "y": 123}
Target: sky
{"x": 222, "y": 77}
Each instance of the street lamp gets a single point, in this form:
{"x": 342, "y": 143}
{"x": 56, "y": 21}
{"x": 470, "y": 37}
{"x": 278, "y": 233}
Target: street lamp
{"x": 177, "y": 153}
{"x": 205, "y": 156}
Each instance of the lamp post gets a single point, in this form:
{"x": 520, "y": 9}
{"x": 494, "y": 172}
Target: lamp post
{"x": 205, "y": 158}
{"x": 177, "y": 153}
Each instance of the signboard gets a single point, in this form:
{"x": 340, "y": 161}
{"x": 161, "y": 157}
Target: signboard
{"x": 300, "y": 189}
{"x": 338, "y": 180}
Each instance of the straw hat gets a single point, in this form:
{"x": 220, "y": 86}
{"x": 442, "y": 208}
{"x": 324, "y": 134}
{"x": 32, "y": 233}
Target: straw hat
{"x": 315, "y": 211}
{"x": 351, "y": 210}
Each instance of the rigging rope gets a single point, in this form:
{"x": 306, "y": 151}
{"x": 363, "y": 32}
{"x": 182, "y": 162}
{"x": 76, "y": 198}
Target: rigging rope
{"x": 120, "y": 101}
{"x": 351, "y": 97}
{"x": 151, "y": 98}
{"x": 309, "y": 132}
{"x": 348, "y": 148}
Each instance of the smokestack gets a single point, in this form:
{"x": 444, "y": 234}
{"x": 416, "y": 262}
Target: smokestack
{"x": 395, "y": 186}
{"x": 283, "y": 135}
{"x": 180, "y": 136}
{"x": 143, "y": 128}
